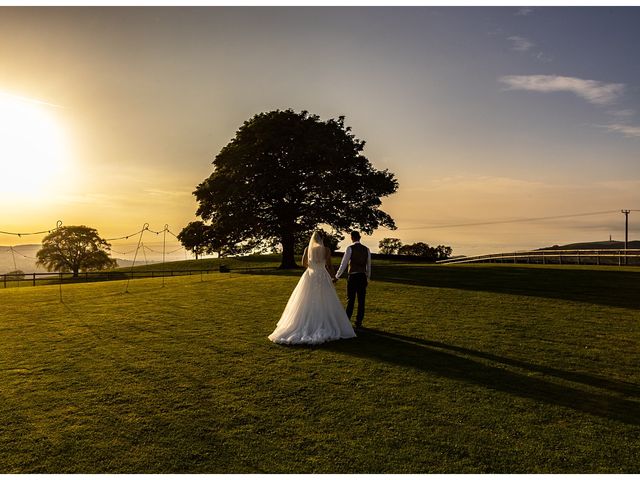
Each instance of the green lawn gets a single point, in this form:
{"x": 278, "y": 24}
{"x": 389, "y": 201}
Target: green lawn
{"x": 463, "y": 369}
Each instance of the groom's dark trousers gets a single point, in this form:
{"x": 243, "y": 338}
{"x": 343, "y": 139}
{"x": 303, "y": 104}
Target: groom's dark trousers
{"x": 356, "y": 286}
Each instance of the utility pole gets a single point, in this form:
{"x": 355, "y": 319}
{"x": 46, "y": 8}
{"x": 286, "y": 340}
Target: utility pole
{"x": 626, "y": 232}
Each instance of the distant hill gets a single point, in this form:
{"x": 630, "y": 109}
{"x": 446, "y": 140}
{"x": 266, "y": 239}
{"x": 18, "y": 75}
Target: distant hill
{"x": 122, "y": 263}
{"x": 613, "y": 245}
{"x": 25, "y": 259}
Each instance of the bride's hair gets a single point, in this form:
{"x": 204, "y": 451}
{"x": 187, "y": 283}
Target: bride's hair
{"x": 317, "y": 238}
{"x": 313, "y": 251}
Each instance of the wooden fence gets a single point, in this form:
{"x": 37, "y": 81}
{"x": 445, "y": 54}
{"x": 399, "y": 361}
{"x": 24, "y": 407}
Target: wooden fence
{"x": 32, "y": 279}
{"x": 557, "y": 257}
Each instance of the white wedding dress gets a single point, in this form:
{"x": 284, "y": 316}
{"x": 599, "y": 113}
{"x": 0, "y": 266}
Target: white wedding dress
{"x": 313, "y": 313}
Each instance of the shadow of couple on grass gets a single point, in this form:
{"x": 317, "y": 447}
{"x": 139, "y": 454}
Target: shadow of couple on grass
{"x": 471, "y": 366}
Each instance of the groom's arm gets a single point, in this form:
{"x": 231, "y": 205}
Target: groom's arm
{"x": 368, "y": 264}
{"x": 345, "y": 261}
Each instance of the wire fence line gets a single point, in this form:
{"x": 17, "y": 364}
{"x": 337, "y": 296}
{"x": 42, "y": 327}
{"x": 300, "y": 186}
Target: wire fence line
{"x": 8, "y": 280}
{"x": 13, "y": 249}
{"x": 618, "y": 257}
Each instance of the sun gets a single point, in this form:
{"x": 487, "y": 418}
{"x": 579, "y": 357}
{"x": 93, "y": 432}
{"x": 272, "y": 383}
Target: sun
{"x": 33, "y": 153}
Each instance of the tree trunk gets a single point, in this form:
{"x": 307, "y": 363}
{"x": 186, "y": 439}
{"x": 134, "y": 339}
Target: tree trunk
{"x": 75, "y": 272}
{"x": 288, "y": 255}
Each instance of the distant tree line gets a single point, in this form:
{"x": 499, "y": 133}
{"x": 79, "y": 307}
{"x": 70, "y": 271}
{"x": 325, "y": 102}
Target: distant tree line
{"x": 393, "y": 246}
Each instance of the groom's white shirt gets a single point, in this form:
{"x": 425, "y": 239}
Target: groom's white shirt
{"x": 345, "y": 261}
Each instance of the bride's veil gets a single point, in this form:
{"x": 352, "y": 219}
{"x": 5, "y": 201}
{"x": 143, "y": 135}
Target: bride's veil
{"x": 315, "y": 254}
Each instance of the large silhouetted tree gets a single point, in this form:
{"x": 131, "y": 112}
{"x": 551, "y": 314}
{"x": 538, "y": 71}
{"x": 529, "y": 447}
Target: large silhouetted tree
{"x": 74, "y": 248}
{"x": 286, "y": 173}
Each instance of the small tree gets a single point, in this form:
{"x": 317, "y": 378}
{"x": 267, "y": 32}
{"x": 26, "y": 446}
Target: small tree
{"x": 443, "y": 252}
{"x": 195, "y": 237}
{"x": 419, "y": 249}
{"x": 75, "y": 248}
{"x": 199, "y": 238}
{"x": 423, "y": 250}
{"x": 15, "y": 275}
{"x": 389, "y": 246}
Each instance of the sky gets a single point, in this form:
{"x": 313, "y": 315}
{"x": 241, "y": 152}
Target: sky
{"x": 484, "y": 114}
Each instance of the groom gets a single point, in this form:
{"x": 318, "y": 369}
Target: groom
{"x": 358, "y": 258}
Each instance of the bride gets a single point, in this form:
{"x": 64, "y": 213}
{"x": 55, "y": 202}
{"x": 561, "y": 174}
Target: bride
{"x": 313, "y": 313}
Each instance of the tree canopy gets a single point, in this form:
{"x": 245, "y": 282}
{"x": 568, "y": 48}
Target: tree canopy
{"x": 421, "y": 249}
{"x": 199, "y": 238}
{"x": 194, "y": 237}
{"x": 74, "y": 248}
{"x": 389, "y": 246}
{"x": 286, "y": 173}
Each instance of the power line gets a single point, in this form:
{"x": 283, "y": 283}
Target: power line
{"x": 516, "y": 220}
{"x": 127, "y": 236}
{"x": 122, "y": 253}
{"x": 13, "y": 250}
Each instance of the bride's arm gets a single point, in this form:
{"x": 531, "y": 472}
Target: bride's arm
{"x": 305, "y": 259}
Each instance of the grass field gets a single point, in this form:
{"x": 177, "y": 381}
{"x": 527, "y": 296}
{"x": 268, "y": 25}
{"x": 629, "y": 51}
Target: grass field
{"x": 463, "y": 369}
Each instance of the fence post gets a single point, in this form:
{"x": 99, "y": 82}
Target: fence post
{"x": 34, "y": 279}
{"x": 4, "y": 278}
{"x": 578, "y": 255}
{"x": 543, "y": 261}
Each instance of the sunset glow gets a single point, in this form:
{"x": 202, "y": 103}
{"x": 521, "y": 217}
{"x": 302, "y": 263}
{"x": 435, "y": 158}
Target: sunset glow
{"x": 112, "y": 116}
{"x": 33, "y": 155}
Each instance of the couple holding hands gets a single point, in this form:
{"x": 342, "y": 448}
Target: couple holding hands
{"x": 314, "y": 313}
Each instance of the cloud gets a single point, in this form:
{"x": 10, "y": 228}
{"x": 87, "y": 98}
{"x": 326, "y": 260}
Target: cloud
{"x": 622, "y": 113}
{"x": 542, "y": 57}
{"x": 631, "y": 131}
{"x": 521, "y": 44}
{"x": 598, "y": 93}
{"x": 524, "y": 11}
